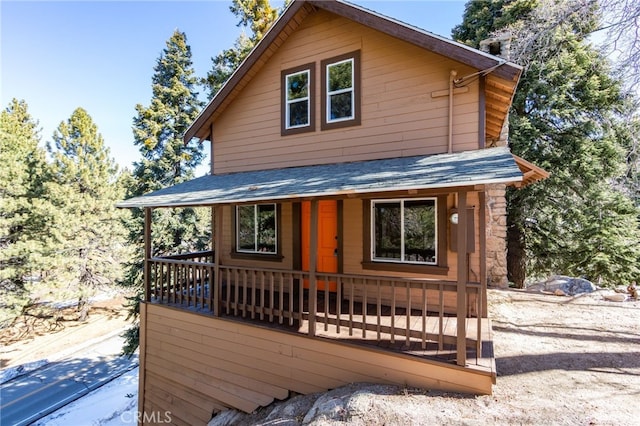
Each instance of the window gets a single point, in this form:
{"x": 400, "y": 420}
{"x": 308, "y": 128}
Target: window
{"x": 341, "y": 91}
{"x": 297, "y": 100}
{"x": 405, "y": 231}
{"x": 256, "y": 229}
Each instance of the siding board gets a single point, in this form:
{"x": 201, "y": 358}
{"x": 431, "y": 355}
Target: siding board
{"x": 235, "y": 363}
{"x": 397, "y": 81}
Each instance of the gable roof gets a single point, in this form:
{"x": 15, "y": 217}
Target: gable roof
{"x": 478, "y": 167}
{"x": 499, "y": 86}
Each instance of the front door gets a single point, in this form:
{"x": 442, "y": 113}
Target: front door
{"x": 327, "y": 249}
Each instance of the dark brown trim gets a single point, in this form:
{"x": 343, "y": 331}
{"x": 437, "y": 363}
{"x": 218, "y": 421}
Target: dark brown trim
{"x": 296, "y": 235}
{"x": 311, "y": 127}
{"x": 340, "y": 214}
{"x": 482, "y": 111}
{"x": 367, "y": 253}
{"x": 357, "y": 90}
{"x": 268, "y": 257}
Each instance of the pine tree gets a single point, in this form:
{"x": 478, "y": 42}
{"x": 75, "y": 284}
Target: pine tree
{"x": 23, "y": 215}
{"x": 563, "y": 118}
{"x": 258, "y": 15}
{"x": 84, "y": 188}
{"x": 166, "y": 160}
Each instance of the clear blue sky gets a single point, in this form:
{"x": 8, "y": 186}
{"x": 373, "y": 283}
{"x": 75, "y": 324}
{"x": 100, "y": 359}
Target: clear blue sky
{"x": 60, "y": 55}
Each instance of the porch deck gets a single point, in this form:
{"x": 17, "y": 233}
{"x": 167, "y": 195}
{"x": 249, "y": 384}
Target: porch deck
{"x": 398, "y": 315}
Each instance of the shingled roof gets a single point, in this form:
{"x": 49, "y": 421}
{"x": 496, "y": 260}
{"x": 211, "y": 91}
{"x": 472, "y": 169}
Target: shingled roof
{"x": 493, "y": 165}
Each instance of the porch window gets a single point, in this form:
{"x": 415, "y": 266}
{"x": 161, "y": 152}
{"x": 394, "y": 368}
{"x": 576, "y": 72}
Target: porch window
{"x": 256, "y": 229}
{"x": 405, "y": 231}
{"x": 340, "y": 88}
{"x": 297, "y": 99}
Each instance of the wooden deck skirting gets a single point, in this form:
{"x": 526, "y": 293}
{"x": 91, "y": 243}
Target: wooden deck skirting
{"x": 194, "y": 365}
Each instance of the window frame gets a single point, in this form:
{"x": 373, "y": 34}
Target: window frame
{"x": 284, "y": 119}
{"x": 355, "y": 120}
{"x": 254, "y": 254}
{"x": 368, "y": 261}
{"x": 401, "y": 202}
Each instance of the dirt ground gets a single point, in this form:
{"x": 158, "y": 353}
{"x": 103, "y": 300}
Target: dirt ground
{"x": 32, "y": 339}
{"x": 565, "y": 360}
{"x": 560, "y": 361}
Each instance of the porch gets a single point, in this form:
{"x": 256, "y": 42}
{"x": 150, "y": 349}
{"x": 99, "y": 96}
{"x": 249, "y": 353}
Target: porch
{"x": 410, "y": 316}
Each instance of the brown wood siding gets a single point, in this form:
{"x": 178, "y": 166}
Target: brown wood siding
{"x": 399, "y": 115}
{"x": 286, "y": 239}
{"x": 197, "y": 365}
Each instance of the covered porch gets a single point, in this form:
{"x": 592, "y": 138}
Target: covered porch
{"x": 237, "y": 331}
{"x": 412, "y": 316}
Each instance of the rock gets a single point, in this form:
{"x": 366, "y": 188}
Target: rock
{"x": 615, "y": 297}
{"x": 567, "y": 285}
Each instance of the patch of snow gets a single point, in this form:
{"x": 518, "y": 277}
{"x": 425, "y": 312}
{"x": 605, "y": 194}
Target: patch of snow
{"x": 13, "y": 372}
{"x": 114, "y": 404}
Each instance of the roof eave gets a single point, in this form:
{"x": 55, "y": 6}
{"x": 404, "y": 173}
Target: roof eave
{"x": 201, "y": 127}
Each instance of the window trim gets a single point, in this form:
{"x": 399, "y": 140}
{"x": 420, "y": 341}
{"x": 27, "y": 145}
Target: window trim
{"x": 311, "y": 126}
{"x": 401, "y": 202}
{"x": 256, "y": 255}
{"x": 326, "y": 123}
{"x": 440, "y": 268}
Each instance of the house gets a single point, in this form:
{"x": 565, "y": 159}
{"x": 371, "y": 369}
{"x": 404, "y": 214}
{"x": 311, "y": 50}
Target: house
{"x": 357, "y": 190}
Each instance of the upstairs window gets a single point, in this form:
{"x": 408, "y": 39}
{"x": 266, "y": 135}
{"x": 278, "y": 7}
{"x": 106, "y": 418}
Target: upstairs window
{"x": 341, "y": 91}
{"x": 405, "y": 231}
{"x": 256, "y": 229}
{"x": 297, "y": 100}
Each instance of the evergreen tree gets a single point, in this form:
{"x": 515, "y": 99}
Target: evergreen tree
{"x": 563, "y": 118}
{"x": 258, "y": 15}
{"x": 23, "y": 215}
{"x": 83, "y": 187}
{"x": 166, "y": 160}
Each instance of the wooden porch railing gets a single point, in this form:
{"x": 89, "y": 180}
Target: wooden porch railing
{"x": 368, "y": 307}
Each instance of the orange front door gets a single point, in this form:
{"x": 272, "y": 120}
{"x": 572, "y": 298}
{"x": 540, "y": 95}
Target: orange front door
{"x": 327, "y": 248}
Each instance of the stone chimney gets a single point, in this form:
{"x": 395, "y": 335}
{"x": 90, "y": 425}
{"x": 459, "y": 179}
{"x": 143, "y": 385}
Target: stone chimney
{"x": 496, "y": 203}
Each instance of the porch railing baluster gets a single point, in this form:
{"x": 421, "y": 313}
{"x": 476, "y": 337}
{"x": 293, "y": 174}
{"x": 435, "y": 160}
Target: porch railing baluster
{"x": 262, "y": 294}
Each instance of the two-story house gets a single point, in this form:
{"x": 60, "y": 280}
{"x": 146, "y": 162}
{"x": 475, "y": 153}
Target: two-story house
{"x": 356, "y": 179}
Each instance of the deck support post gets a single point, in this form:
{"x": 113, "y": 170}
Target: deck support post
{"x": 463, "y": 267}
{"x": 216, "y": 283}
{"x": 147, "y": 253}
{"x": 313, "y": 260}
{"x": 482, "y": 308}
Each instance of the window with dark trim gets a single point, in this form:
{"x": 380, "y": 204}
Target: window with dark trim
{"x": 406, "y": 235}
{"x": 298, "y": 106}
{"x": 341, "y": 91}
{"x": 404, "y": 231}
{"x": 256, "y": 229}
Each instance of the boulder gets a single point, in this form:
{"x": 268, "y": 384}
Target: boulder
{"x": 559, "y": 284}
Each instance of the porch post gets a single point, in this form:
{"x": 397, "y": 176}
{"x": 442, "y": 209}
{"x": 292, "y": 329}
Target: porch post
{"x": 483, "y": 255}
{"x": 217, "y": 281}
{"x": 461, "y": 341}
{"x": 147, "y": 254}
{"x": 313, "y": 260}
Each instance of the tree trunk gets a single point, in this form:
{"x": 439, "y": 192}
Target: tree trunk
{"x": 516, "y": 255}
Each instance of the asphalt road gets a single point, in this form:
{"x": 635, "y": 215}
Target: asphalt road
{"x": 34, "y": 395}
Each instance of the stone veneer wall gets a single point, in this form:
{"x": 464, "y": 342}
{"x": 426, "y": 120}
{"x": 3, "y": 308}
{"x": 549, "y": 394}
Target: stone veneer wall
{"x": 496, "y": 232}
